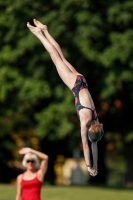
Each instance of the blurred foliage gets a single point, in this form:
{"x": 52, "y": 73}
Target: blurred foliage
{"x": 96, "y": 37}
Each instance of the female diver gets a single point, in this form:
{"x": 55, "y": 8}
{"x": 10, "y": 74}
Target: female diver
{"x": 90, "y": 126}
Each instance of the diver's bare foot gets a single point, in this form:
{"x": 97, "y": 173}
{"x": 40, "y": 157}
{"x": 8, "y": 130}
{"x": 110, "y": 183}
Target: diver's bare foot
{"x": 40, "y": 25}
{"x": 35, "y": 30}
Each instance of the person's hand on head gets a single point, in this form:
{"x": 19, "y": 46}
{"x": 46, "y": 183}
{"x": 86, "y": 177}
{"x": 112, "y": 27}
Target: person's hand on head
{"x": 25, "y": 150}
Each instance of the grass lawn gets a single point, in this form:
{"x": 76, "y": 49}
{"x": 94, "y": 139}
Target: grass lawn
{"x": 7, "y": 192}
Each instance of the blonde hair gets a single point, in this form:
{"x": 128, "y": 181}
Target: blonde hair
{"x": 95, "y": 131}
{"x": 30, "y": 156}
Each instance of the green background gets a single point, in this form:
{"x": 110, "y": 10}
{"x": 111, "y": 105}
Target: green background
{"x": 37, "y": 109}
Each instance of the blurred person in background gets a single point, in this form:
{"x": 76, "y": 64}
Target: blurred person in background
{"x": 90, "y": 126}
{"x": 29, "y": 183}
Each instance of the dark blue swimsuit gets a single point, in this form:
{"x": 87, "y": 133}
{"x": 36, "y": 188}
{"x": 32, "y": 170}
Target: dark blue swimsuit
{"x": 80, "y": 83}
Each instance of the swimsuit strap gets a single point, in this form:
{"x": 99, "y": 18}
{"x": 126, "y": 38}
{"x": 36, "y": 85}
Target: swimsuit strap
{"x": 93, "y": 114}
{"x": 23, "y": 175}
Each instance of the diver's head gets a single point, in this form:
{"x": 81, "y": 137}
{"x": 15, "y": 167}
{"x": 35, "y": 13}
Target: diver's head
{"x": 95, "y": 131}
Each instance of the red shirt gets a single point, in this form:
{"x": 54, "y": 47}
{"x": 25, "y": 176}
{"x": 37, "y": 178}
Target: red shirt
{"x": 31, "y": 189}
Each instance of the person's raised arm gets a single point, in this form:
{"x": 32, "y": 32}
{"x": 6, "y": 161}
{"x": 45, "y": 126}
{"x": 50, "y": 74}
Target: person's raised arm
{"x": 95, "y": 156}
{"x": 86, "y": 148}
{"x": 44, "y": 163}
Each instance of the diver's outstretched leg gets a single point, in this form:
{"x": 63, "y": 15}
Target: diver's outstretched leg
{"x": 64, "y": 72}
{"x": 54, "y": 43}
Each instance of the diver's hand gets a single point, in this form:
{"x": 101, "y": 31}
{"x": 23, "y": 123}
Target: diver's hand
{"x": 93, "y": 171}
